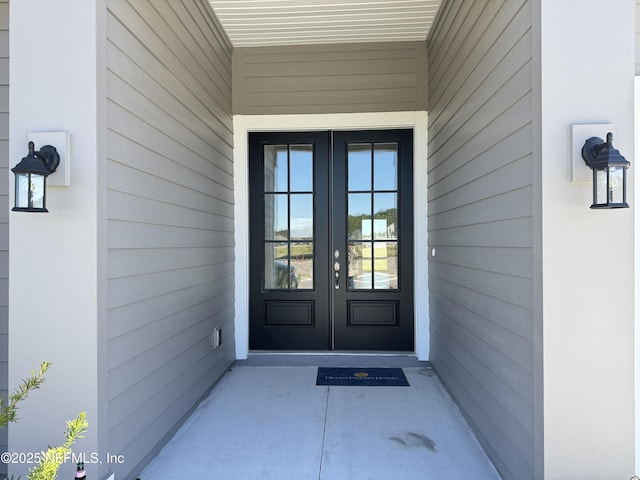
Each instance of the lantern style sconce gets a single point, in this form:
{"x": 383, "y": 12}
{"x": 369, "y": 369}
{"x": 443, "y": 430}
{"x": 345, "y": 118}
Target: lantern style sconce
{"x": 31, "y": 178}
{"x": 609, "y": 173}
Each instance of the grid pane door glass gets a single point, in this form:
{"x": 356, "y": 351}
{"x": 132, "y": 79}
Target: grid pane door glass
{"x": 288, "y": 200}
{"x": 372, "y": 199}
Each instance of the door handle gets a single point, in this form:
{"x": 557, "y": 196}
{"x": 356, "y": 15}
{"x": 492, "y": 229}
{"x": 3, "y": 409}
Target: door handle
{"x": 336, "y": 272}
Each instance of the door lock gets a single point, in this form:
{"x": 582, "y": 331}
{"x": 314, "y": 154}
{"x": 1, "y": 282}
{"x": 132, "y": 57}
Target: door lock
{"x": 336, "y": 270}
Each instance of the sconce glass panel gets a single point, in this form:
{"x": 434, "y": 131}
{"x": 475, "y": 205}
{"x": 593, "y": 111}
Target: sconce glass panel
{"x": 22, "y": 190}
{"x": 616, "y": 192}
{"x": 601, "y": 187}
{"x": 37, "y": 191}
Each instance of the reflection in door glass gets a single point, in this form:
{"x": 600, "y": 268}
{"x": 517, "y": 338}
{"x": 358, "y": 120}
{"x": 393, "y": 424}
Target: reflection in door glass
{"x": 372, "y": 216}
{"x": 288, "y": 217}
{"x": 276, "y": 168}
{"x": 385, "y": 206}
{"x": 301, "y": 261}
{"x": 359, "y": 167}
{"x": 385, "y": 166}
{"x": 359, "y": 221}
{"x": 276, "y": 216}
{"x": 301, "y": 168}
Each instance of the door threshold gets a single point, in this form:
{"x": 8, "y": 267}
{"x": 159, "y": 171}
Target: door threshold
{"x": 332, "y": 359}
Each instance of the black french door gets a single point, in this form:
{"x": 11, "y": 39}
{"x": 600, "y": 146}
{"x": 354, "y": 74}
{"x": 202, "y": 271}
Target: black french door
{"x": 331, "y": 241}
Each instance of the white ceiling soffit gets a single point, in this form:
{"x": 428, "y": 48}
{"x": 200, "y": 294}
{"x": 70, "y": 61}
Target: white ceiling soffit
{"x": 298, "y": 22}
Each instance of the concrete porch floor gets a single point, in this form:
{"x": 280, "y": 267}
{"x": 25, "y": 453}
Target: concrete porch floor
{"x": 273, "y": 422}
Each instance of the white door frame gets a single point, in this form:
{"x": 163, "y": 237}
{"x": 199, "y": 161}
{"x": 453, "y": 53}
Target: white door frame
{"x": 243, "y": 124}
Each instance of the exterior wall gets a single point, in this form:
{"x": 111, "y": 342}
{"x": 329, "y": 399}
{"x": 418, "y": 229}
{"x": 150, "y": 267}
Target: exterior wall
{"x": 61, "y": 319}
{"x": 481, "y": 220}
{"x": 354, "y": 78}
{"x": 587, "y": 255}
{"x": 170, "y": 217}
{"x": 637, "y": 50}
{"x": 4, "y": 208}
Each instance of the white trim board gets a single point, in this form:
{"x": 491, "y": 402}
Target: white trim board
{"x": 243, "y": 124}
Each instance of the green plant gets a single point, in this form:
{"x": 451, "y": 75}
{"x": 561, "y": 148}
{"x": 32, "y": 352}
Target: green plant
{"x": 8, "y": 412}
{"x": 50, "y": 461}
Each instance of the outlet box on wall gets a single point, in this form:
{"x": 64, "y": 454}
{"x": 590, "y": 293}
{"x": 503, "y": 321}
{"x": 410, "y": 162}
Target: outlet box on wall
{"x": 216, "y": 338}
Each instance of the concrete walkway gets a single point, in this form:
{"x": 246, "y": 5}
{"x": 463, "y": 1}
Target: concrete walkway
{"x": 275, "y": 423}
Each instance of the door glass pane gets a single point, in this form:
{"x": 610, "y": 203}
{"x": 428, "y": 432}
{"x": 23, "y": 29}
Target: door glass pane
{"x": 289, "y": 222}
{"x": 385, "y": 206}
{"x": 359, "y": 167}
{"x": 276, "y": 266}
{"x": 373, "y": 216}
{"x": 276, "y": 216}
{"x": 359, "y": 221}
{"x": 276, "y": 168}
{"x": 385, "y": 265}
{"x": 302, "y": 216}
{"x": 385, "y": 166}
{"x": 359, "y": 265}
{"x": 302, "y": 259}
{"x": 301, "y": 173}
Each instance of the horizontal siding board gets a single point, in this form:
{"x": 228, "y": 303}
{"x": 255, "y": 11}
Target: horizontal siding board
{"x": 318, "y": 107}
{"x": 480, "y": 192}
{"x": 497, "y": 286}
{"x": 300, "y": 83}
{"x": 357, "y": 97}
{"x": 164, "y": 145}
{"x": 127, "y": 290}
{"x": 503, "y": 60}
{"x": 500, "y": 185}
{"x": 170, "y": 217}
{"x": 140, "y": 346}
{"x": 164, "y": 60}
{"x": 190, "y": 34}
{"x": 135, "y": 235}
{"x": 495, "y": 435}
{"x": 177, "y": 357}
{"x": 506, "y": 233}
{"x": 203, "y": 180}
{"x": 126, "y": 75}
{"x": 132, "y": 208}
{"x": 4, "y": 15}
{"x": 197, "y": 138}
{"x": 512, "y": 205}
{"x": 508, "y": 261}
{"x": 510, "y": 383}
{"x": 508, "y": 97}
{"x": 311, "y": 67}
{"x": 504, "y": 315}
{"x": 460, "y": 22}
{"x": 330, "y": 78}
{"x": 126, "y": 263}
{"x": 499, "y": 21}
{"x": 130, "y": 317}
{"x": 474, "y": 139}
{"x": 471, "y": 165}
{"x": 146, "y": 428}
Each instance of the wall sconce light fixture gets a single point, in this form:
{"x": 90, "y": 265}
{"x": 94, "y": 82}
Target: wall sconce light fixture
{"x": 31, "y": 178}
{"x": 609, "y": 173}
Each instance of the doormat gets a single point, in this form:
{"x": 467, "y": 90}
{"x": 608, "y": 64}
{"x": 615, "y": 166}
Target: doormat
{"x": 372, "y": 377}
